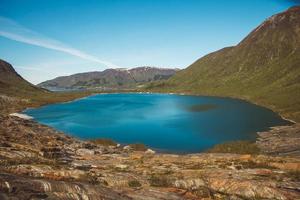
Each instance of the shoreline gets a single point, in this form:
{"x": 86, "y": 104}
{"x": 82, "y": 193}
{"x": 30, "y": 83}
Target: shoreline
{"x": 180, "y": 94}
{"x": 27, "y": 117}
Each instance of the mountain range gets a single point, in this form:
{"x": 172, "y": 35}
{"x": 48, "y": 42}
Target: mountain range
{"x": 109, "y": 79}
{"x": 263, "y": 68}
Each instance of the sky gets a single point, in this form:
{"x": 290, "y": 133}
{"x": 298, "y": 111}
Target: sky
{"x": 44, "y": 39}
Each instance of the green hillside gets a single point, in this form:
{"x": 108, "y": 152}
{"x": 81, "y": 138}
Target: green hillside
{"x": 16, "y": 93}
{"x": 264, "y": 68}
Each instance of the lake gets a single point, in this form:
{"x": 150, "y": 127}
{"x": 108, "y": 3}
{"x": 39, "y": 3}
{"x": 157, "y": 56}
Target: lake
{"x": 164, "y": 122}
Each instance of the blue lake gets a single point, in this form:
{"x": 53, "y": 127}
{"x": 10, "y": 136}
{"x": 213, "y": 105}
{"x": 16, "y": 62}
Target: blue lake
{"x": 168, "y": 123}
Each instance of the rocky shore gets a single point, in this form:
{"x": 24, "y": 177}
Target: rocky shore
{"x": 282, "y": 140}
{"x": 38, "y": 162}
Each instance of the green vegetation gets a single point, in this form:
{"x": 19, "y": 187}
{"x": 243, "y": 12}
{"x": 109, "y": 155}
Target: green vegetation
{"x": 159, "y": 181}
{"x": 17, "y": 94}
{"x": 294, "y": 175}
{"x": 104, "y": 142}
{"x": 239, "y": 147}
{"x": 134, "y": 183}
{"x": 263, "y": 68}
{"x": 138, "y": 147}
{"x": 256, "y": 165}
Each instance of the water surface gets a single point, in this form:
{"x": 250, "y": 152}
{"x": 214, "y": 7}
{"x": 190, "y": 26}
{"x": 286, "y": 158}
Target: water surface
{"x": 170, "y": 123}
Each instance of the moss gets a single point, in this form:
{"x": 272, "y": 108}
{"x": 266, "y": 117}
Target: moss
{"x": 239, "y": 147}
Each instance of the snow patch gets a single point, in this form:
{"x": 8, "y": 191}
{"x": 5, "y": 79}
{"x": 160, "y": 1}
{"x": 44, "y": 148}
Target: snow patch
{"x": 22, "y": 116}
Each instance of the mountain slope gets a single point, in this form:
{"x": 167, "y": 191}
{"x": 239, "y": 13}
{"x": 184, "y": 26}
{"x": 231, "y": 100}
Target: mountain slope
{"x": 110, "y": 78}
{"x": 263, "y": 68}
{"x": 16, "y": 93}
{"x": 12, "y": 83}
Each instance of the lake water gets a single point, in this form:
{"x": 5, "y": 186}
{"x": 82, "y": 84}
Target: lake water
{"x": 168, "y": 123}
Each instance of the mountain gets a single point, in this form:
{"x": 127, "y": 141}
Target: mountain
{"x": 11, "y": 83}
{"x": 16, "y": 93}
{"x": 263, "y": 68}
{"x": 110, "y": 78}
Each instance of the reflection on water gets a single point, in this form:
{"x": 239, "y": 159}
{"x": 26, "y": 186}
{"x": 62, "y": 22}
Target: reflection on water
{"x": 172, "y": 123}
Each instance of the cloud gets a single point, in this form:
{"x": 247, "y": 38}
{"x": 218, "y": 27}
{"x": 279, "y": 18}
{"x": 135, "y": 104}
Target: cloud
{"x": 14, "y": 31}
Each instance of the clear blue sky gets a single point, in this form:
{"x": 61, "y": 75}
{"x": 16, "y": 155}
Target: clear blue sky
{"x": 47, "y": 38}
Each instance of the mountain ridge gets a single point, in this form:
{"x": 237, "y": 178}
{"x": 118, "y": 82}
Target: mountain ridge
{"x": 11, "y": 81}
{"x": 110, "y": 78}
{"x": 263, "y": 68}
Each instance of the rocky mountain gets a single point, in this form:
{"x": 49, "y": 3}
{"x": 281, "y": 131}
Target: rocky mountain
{"x": 263, "y": 68}
{"x": 110, "y": 78}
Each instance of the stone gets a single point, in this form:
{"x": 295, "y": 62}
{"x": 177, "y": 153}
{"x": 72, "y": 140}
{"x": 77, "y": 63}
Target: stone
{"x": 85, "y": 152}
{"x": 149, "y": 151}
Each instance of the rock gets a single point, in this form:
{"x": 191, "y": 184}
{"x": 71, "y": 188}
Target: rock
{"x": 150, "y": 151}
{"x": 127, "y": 148}
{"x": 27, "y": 188}
{"x": 85, "y": 152}
{"x": 38, "y": 162}
{"x": 22, "y": 116}
{"x": 121, "y": 166}
{"x": 52, "y": 152}
{"x": 284, "y": 140}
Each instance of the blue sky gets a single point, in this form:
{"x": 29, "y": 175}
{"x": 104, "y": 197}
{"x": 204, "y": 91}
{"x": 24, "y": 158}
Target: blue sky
{"x": 48, "y": 38}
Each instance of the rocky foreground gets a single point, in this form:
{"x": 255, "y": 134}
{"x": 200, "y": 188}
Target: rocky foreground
{"x": 37, "y": 162}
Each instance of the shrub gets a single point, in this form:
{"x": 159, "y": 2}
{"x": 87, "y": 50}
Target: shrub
{"x": 239, "y": 147}
{"x": 160, "y": 181}
{"x": 104, "y": 142}
{"x": 134, "y": 183}
{"x": 138, "y": 147}
{"x": 294, "y": 175}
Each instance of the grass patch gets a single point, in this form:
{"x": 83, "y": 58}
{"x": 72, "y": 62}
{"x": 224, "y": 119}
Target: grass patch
{"x": 256, "y": 165}
{"x": 104, "y": 142}
{"x": 138, "y": 147}
{"x": 160, "y": 181}
{"x": 294, "y": 175}
{"x": 134, "y": 183}
{"x": 239, "y": 147}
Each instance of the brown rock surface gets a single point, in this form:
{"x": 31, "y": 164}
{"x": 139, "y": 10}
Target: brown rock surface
{"x": 37, "y": 162}
{"x": 284, "y": 140}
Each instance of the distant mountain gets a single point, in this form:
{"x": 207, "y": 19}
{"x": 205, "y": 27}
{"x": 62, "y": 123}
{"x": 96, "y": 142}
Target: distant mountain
{"x": 109, "y": 78}
{"x": 263, "y": 68}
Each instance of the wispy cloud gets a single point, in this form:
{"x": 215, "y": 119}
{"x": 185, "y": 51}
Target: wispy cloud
{"x": 14, "y": 31}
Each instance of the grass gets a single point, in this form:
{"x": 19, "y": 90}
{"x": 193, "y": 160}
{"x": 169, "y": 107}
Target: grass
{"x": 138, "y": 147}
{"x": 239, "y": 147}
{"x": 263, "y": 69}
{"x": 255, "y": 165}
{"x": 104, "y": 142}
{"x": 15, "y": 101}
{"x": 134, "y": 183}
{"x": 160, "y": 181}
{"x": 294, "y": 175}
